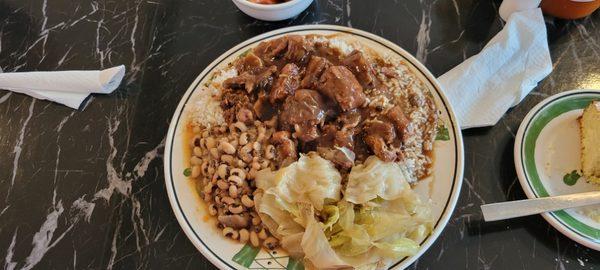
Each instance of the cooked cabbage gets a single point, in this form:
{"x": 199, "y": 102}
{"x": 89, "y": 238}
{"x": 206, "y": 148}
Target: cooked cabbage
{"x": 311, "y": 179}
{"x": 375, "y": 178}
{"x": 379, "y": 219}
{"x": 317, "y": 249}
{"x": 380, "y": 228}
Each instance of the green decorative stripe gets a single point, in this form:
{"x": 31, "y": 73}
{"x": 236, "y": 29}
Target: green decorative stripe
{"x": 537, "y": 123}
{"x": 294, "y": 264}
{"x": 246, "y": 255}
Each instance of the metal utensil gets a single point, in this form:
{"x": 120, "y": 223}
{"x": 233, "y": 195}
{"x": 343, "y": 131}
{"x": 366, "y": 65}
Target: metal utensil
{"x": 520, "y": 208}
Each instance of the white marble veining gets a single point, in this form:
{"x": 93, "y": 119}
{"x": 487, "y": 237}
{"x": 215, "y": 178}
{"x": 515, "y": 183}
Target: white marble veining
{"x": 18, "y": 148}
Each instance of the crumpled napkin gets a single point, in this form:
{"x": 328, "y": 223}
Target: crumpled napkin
{"x": 70, "y": 88}
{"x": 485, "y": 86}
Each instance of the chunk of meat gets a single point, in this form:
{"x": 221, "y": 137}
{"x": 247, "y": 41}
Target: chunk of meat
{"x": 361, "y": 67}
{"x": 234, "y": 221}
{"x": 327, "y": 136}
{"x": 286, "y": 83}
{"x": 349, "y": 119}
{"x": 303, "y": 112}
{"x": 259, "y": 79}
{"x": 232, "y": 102}
{"x": 286, "y": 148}
{"x": 263, "y": 108}
{"x": 292, "y": 47}
{"x": 380, "y": 129}
{"x": 399, "y": 119}
{"x": 314, "y": 70}
{"x": 389, "y": 72}
{"x": 271, "y": 49}
{"x": 381, "y": 150}
{"x": 297, "y": 49}
{"x": 245, "y": 115}
{"x": 379, "y": 135}
{"x": 250, "y": 63}
{"x": 344, "y": 138}
{"x": 340, "y": 156}
{"x": 339, "y": 84}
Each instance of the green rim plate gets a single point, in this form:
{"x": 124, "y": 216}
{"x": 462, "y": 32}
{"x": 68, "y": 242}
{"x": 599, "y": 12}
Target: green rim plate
{"x": 528, "y": 170}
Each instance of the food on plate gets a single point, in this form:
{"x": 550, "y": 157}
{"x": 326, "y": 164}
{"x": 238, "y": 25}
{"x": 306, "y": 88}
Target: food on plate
{"x": 590, "y": 142}
{"x": 379, "y": 218}
{"x": 313, "y": 143}
{"x": 268, "y": 2}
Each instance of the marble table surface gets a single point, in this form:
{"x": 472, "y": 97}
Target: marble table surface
{"x": 84, "y": 189}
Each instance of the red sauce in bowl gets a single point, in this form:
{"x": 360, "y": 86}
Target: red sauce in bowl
{"x": 569, "y": 9}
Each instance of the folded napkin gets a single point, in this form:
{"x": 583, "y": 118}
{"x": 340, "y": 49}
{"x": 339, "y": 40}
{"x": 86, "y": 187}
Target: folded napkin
{"x": 485, "y": 86}
{"x": 66, "y": 87}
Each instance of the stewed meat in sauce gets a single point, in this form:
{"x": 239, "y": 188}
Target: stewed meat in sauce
{"x": 399, "y": 119}
{"x": 286, "y": 84}
{"x": 292, "y": 48}
{"x": 339, "y": 84}
{"x": 321, "y": 100}
{"x": 379, "y": 135}
{"x": 313, "y": 72}
{"x": 303, "y": 113}
{"x": 259, "y": 78}
{"x": 361, "y": 68}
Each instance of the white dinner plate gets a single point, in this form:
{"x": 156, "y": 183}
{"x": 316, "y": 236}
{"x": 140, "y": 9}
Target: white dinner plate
{"x": 443, "y": 187}
{"x": 547, "y": 159}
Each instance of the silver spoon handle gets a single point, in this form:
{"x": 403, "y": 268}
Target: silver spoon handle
{"x": 512, "y": 209}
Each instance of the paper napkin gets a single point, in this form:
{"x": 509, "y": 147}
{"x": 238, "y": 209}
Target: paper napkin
{"x": 70, "y": 88}
{"x": 485, "y": 86}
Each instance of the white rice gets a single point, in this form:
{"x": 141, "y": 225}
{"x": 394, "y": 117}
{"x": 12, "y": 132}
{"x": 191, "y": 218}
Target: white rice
{"x": 341, "y": 45}
{"x": 407, "y": 83}
{"x": 205, "y": 109}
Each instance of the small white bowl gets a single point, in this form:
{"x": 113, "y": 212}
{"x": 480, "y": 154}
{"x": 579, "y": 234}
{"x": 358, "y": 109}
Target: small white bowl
{"x": 274, "y": 12}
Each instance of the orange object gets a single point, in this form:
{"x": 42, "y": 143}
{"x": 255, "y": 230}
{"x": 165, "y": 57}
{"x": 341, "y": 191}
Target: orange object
{"x": 569, "y": 9}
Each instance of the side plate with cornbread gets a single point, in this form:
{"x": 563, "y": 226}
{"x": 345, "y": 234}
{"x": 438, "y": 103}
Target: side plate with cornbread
{"x": 557, "y": 152}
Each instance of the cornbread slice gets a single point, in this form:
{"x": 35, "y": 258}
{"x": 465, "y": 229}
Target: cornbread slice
{"x": 589, "y": 124}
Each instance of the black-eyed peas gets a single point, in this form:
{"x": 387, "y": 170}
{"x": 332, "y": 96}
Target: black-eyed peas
{"x": 194, "y": 160}
{"x": 222, "y": 171}
{"x": 262, "y": 235}
{"x": 223, "y": 159}
{"x": 254, "y": 239}
{"x": 195, "y": 171}
{"x": 222, "y": 185}
{"x": 226, "y": 147}
{"x": 243, "y": 140}
{"x": 230, "y": 232}
{"x": 271, "y": 243}
{"x": 227, "y": 158}
{"x": 247, "y": 201}
{"x": 244, "y": 235}
{"x": 241, "y": 173}
{"x": 236, "y": 209}
{"x": 212, "y": 209}
{"x": 233, "y": 191}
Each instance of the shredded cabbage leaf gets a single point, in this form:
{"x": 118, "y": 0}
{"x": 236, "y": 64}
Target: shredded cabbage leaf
{"x": 375, "y": 178}
{"x": 311, "y": 179}
{"x": 317, "y": 249}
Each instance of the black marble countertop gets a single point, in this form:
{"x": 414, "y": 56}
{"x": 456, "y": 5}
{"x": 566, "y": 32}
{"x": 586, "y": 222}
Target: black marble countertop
{"x": 84, "y": 188}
